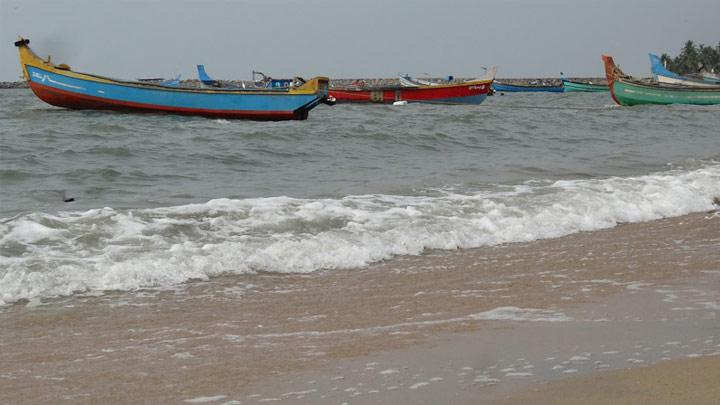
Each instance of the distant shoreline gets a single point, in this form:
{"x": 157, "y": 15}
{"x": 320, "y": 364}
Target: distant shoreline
{"x": 14, "y": 85}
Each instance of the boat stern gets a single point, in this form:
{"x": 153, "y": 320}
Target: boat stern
{"x": 318, "y": 85}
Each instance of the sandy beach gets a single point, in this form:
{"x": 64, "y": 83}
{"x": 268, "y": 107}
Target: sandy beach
{"x": 467, "y": 326}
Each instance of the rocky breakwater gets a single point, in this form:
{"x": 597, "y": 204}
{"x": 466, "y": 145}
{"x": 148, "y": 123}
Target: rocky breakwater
{"x": 13, "y": 85}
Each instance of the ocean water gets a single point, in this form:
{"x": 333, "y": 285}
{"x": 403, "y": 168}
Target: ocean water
{"x": 158, "y": 200}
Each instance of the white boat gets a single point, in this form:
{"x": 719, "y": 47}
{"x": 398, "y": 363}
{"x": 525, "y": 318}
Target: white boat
{"x": 407, "y": 81}
{"x": 662, "y": 75}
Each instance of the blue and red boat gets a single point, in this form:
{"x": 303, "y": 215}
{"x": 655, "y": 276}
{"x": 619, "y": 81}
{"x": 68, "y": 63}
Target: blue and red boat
{"x": 60, "y": 86}
{"x": 468, "y": 92}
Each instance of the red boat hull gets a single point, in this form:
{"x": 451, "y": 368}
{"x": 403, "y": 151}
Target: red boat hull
{"x": 466, "y": 93}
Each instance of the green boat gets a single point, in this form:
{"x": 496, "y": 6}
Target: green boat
{"x": 570, "y": 85}
{"x": 628, "y": 91}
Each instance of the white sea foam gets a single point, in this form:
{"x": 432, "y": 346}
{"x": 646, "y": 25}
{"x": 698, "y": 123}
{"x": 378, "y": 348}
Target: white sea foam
{"x": 519, "y": 374}
{"x": 521, "y": 314}
{"x": 106, "y": 249}
{"x": 482, "y": 378}
{"x": 204, "y": 400}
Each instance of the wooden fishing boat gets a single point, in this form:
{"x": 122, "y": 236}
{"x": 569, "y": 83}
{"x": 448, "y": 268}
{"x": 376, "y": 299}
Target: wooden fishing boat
{"x": 574, "y": 86}
{"x": 711, "y": 77}
{"x": 628, "y": 91}
{"x": 663, "y": 75}
{"x": 469, "y": 92}
{"x": 60, "y": 86}
{"x": 514, "y": 88}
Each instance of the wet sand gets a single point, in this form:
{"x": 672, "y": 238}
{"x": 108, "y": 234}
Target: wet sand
{"x": 468, "y": 326}
{"x": 689, "y": 381}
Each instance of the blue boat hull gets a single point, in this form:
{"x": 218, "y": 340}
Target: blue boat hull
{"x": 71, "y": 92}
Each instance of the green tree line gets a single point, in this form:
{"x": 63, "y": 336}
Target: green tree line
{"x": 694, "y": 58}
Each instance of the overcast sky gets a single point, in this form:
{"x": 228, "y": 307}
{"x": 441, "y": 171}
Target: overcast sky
{"x": 344, "y": 38}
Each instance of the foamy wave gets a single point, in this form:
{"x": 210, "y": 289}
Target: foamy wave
{"x": 105, "y": 249}
{"x": 521, "y": 314}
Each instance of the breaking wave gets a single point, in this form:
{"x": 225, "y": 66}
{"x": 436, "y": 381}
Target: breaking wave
{"x": 43, "y": 255}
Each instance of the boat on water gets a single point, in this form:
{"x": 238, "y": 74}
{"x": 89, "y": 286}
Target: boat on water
{"x": 468, "y": 92}
{"x": 572, "y": 86}
{"x": 588, "y": 87}
{"x": 521, "y": 88}
{"x": 628, "y": 91}
{"x": 663, "y": 75}
{"x": 58, "y": 85}
{"x": 711, "y": 77}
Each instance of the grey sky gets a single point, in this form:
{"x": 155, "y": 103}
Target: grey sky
{"x": 361, "y": 38}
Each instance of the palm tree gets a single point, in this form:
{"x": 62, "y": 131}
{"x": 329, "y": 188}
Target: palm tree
{"x": 694, "y": 58}
{"x": 688, "y": 58}
{"x": 668, "y": 62}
